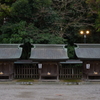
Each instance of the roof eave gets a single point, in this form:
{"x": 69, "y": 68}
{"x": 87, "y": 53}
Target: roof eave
{"x": 72, "y": 62}
{"x": 88, "y": 58}
{"x": 9, "y": 59}
{"x": 38, "y": 59}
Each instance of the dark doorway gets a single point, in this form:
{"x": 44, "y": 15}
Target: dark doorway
{"x": 94, "y": 77}
{"x": 4, "y": 77}
{"x": 49, "y": 77}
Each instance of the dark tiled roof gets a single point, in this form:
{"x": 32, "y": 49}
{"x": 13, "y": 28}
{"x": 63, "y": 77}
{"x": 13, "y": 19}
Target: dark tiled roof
{"x": 25, "y": 62}
{"x": 49, "y": 52}
{"x": 88, "y": 51}
{"x": 72, "y": 62}
{"x": 10, "y": 51}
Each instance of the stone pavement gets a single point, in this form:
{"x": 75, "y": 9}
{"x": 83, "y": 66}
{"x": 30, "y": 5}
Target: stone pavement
{"x": 49, "y": 91}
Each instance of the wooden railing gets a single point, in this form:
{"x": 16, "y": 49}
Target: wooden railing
{"x": 26, "y": 71}
{"x": 66, "y": 72}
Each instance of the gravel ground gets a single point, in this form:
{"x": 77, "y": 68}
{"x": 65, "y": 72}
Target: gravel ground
{"x": 49, "y": 92}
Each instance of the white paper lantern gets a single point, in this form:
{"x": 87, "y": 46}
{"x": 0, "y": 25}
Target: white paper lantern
{"x": 39, "y": 66}
{"x": 87, "y": 66}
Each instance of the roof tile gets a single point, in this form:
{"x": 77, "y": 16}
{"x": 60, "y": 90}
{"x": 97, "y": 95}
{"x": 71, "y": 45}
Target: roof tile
{"x": 88, "y": 51}
{"x": 52, "y": 51}
{"x": 10, "y": 51}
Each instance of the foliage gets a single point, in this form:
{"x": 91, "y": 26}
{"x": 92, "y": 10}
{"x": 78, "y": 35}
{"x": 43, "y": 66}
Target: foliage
{"x": 21, "y": 10}
{"x": 20, "y": 33}
{"x": 95, "y": 8}
{"x": 47, "y": 38}
{"x": 14, "y": 32}
{"x": 71, "y": 53}
{"x": 48, "y": 21}
{"x": 74, "y": 15}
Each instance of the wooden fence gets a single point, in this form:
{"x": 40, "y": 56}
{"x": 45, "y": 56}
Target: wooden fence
{"x": 70, "y": 72}
{"x": 22, "y": 71}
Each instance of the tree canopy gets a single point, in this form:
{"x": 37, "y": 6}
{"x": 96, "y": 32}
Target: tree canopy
{"x": 49, "y": 21}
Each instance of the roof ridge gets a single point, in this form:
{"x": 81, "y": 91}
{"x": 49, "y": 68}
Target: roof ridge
{"x": 10, "y": 45}
{"x": 87, "y": 45}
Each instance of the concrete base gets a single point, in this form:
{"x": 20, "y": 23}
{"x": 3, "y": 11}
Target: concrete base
{"x": 94, "y": 80}
{"x": 47, "y": 80}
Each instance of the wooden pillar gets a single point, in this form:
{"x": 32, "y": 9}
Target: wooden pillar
{"x": 39, "y": 74}
{"x": 57, "y": 71}
{"x": 40, "y": 66}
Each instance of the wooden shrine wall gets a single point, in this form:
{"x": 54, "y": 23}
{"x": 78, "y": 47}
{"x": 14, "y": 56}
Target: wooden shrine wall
{"x": 6, "y": 70}
{"x": 22, "y": 71}
{"x": 91, "y": 69}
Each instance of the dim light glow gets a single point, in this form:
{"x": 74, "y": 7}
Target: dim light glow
{"x": 95, "y": 72}
{"x": 48, "y": 73}
{"x": 81, "y": 32}
{"x": 87, "y": 32}
{"x": 1, "y": 73}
